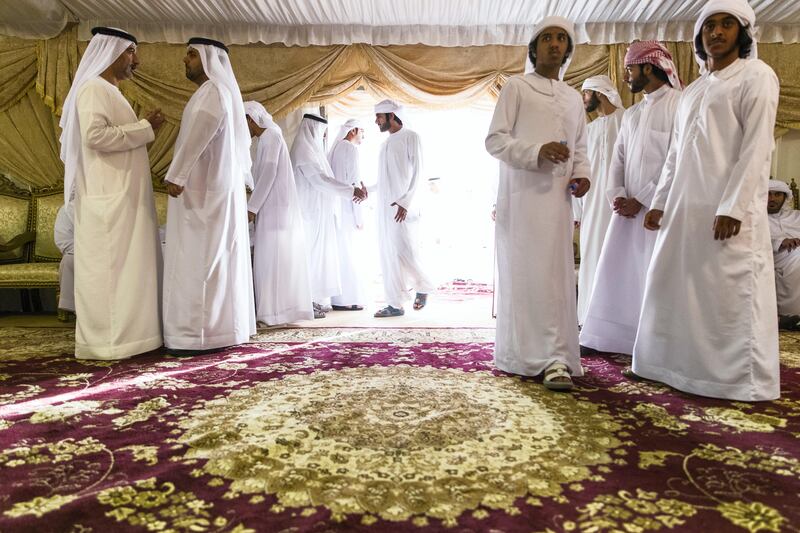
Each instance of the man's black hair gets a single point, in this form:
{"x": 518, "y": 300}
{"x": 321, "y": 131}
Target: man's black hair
{"x": 744, "y": 41}
{"x": 396, "y": 118}
{"x": 532, "y": 49}
{"x": 660, "y": 74}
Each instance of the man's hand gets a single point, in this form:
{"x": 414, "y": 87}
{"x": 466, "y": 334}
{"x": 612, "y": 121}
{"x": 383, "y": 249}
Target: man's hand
{"x": 726, "y": 227}
{"x": 155, "y": 118}
{"x": 174, "y": 190}
{"x": 251, "y": 217}
{"x": 579, "y": 186}
{"x": 789, "y": 244}
{"x": 364, "y": 188}
{"x": 359, "y": 194}
{"x": 401, "y": 212}
{"x": 619, "y": 201}
{"x": 553, "y": 152}
{"x": 652, "y": 219}
{"x": 630, "y": 208}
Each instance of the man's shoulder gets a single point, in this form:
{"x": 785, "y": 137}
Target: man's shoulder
{"x": 95, "y": 85}
{"x": 757, "y": 71}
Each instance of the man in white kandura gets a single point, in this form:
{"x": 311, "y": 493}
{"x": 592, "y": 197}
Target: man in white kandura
{"x": 64, "y": 237}
{"x": 616, "y": 299}
{"x": 280, "y": 263}
{"x": 208, "y": 281}
{"x": 344, "y": 161}
{"x": 399, "y": 167}
{"x": 784, "y": 229}
{"x": 708, "y": 323}
{"x": 104, "y": 149}
{"x": 319, "y": 193}
{"x": 592, "y": 211}
{"x": 538, "y": 133}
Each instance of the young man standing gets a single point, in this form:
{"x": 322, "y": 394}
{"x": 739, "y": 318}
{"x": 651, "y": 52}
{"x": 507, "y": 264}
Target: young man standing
{"x": 399, "y": 166}
{"x": 538, "y": 133}
{"x": 708, "y": 323}
{"x": 612, "y": 315}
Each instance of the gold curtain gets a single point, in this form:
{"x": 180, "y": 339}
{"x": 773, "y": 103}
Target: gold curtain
{"x": 28, "y": 143}
{"x": 17, "y": 70}
{"x": 57, "y": 61}
{"x": 286, "y": 78}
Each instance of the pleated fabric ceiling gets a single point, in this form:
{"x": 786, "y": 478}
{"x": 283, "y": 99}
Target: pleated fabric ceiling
{"x": 380, "y": 22}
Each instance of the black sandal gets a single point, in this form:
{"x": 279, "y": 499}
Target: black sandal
{"x": 420, "y": 301}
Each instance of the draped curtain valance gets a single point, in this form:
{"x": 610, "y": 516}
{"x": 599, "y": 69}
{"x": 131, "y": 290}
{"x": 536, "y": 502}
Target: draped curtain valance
{"x": 36, "y": 75}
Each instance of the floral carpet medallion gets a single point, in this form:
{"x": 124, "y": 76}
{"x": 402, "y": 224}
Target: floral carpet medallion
{"x": 378, "y": 430}
{"x": 399, "y": 441}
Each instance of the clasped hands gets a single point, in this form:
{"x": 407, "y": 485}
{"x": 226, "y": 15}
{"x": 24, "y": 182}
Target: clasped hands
{"x": 724, "y": 227}
{"x": 627, "y": 207}
{"x": 155, "y": 118}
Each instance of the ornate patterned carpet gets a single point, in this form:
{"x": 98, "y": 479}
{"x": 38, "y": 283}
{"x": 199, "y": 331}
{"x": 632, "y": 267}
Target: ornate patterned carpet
{"x": 378, "y": 430}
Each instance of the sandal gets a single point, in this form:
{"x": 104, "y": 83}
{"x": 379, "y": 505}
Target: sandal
{"x": 420, "y": 300}
{"x": 557, "y": 377}
{"x": 353, "y": 307}
{"x": 389, "y": 311}
{"x": 630, "y": 374}
{"x": 319, "y": 313}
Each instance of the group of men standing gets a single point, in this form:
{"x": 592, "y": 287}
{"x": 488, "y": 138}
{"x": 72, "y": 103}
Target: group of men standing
{"x": 677, "y": 265}
{"x": 202, "y": 296}
{"x": 676, "y": 257}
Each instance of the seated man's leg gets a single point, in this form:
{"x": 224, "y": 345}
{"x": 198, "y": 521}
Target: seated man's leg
{"x": 66, "y": 276}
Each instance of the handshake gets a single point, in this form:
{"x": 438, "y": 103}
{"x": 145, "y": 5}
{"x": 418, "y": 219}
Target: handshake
{"x": 360, "y": 193}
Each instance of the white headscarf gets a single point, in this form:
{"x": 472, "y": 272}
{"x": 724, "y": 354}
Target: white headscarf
{"x": 260, "y": 115}
{"x": 389, "y": 106}
{"x": 603, "y": 84}
{"x": 739, "y": 9}
{"x": 558, "y": 22}
{"x": 780, "y": 186}
{"x": 102, "y": 51}
{"x": 217, "y": 66}
{"x": 308, "y": 149}
{"x": 343, "y": 131}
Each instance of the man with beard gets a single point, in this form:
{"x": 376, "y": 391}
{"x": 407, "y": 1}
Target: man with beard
{"x": 592, "y": 211}
{"x": 104, "y": 149}
{"x": 642, "y": 145}
{"x": 784, "y": 229}
{"x": 708, "y": 314}
{"x": 344, "y": 160}
{"x": 280, "y": 258}
{"x": 319, "y": 193}
{"x": 538, "y": 132}
{"x": 208, "y": 282}
{"x": 399, "y": 167}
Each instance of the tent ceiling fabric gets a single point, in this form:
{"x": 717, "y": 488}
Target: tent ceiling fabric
{"x": 381, "y": 22}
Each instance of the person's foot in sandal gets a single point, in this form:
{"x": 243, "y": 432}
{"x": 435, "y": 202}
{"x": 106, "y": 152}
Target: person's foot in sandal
{"x": 420, "y": 300}
{"x": 390, "y": 311}
{"x": 557, "y": 377}
{"x": 630, "y": 374}
{"x": 353, "y": 307}
{"x": 318, "y": 311}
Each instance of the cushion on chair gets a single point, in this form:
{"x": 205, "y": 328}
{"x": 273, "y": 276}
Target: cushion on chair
{"x": 29, "y": 275}
{"x": 45, "y": 208}
{"x": 13, "y": 218}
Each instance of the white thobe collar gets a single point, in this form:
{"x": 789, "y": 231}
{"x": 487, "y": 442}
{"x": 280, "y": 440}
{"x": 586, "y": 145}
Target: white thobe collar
{"x": 540, "y": 83}
{"x": 729, "y": 71}
{"x": 658, "y": 94}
